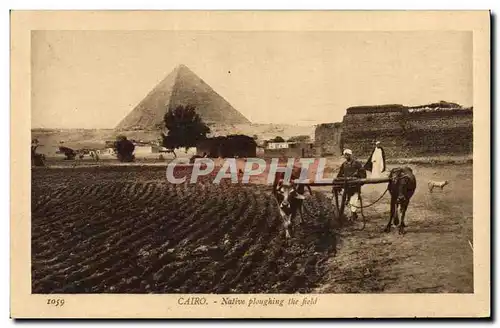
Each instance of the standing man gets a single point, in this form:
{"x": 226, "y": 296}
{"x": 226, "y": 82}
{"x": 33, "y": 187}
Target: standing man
{"x": 376, "y": 162}
{"x": 352, "y": 168}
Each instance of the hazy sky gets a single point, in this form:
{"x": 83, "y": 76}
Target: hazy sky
{"x": 92, "y": 79}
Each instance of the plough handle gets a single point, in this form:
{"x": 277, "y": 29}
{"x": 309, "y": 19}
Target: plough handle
{"x": 349, "y": 181}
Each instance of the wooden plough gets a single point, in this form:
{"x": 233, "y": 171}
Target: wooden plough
{"x": 342, "y": 183}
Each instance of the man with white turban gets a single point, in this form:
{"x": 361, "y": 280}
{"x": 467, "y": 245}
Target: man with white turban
{"x": 352, "y": 168}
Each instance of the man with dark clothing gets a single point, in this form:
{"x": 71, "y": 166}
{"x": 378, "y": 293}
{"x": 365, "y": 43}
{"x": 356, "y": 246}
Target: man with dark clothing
{"x": 352, "y": 168}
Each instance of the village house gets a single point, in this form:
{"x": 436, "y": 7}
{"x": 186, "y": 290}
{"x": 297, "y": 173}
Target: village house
{"x": 227, "y": 146}
{"x": 289, "y": 149}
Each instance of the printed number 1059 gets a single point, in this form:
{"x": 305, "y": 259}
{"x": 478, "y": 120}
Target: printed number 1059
{"x": 55, "y": 302}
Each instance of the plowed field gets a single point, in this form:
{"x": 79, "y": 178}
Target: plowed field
{"x": 127, "y": 230}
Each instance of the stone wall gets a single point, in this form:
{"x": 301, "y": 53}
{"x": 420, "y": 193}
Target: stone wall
{"x": 406, "y": 131}
{"x": 440, "y": 132}
{"x": 328, "y": 139}
{"x": 362, "y": 126}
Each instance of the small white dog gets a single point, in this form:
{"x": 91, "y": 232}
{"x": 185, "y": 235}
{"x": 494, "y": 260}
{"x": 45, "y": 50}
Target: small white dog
{"x": 437, "y": 184}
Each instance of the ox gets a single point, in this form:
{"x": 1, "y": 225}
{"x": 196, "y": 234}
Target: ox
{"x": 290, "y": 198}
{"x": 402, "y": 185}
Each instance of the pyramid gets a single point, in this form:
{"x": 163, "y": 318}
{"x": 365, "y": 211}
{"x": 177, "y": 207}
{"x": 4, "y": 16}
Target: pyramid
{"x": 180, "y": 87}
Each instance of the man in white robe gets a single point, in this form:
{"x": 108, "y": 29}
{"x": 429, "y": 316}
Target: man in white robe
{"x": 376, "y": 162}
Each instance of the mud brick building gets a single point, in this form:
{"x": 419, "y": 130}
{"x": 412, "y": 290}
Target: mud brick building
{"x": 227, "y": 146}
{"x": 363, "y": 125}
{"x": 292, "y": 150}
{"x": 435, "y": 129}
{"x": 447, "y": 131}
{"x": 327, "y": 139}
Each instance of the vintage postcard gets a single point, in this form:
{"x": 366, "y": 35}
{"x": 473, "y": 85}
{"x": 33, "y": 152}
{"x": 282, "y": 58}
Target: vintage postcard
{"x": 250, "y": 164}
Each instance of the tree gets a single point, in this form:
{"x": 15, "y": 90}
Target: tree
{"x": 36, "y": 159}
{"x": 185, "y": 128}
{"x": 124, "y": 149}
{"x": 34, "y": 146}
{"x": 277, "y": 139}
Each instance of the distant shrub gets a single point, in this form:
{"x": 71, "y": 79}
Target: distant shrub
{"x": 124, "y": 149}
{"x": 277, "y": 139}
{"x": 69, "y": 153}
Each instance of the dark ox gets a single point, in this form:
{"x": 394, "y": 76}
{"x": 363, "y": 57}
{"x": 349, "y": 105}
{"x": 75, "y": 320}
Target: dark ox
{"x": 402, "y": 186}
{"x": 290, "y": 198}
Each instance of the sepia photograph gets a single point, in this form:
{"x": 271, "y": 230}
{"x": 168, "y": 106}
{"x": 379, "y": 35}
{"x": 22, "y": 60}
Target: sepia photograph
{"x": 254, "y": 168}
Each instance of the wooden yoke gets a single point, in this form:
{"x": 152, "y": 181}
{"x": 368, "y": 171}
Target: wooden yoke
{"x": 340, "y": 182}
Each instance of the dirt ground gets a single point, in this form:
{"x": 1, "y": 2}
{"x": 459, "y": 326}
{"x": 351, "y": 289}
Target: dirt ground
{"x": 127, "y": 230}
{"x": 434, "y": 256}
